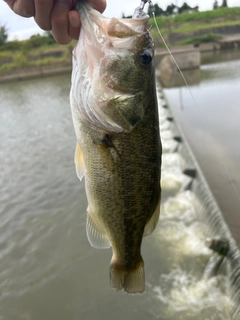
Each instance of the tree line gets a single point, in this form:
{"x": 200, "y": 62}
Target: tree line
{"x": 174, "y": 9}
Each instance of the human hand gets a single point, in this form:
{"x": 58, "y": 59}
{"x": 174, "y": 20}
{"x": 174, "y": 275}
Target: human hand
{"x": 56, "y": 15}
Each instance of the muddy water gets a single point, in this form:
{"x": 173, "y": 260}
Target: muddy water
{"x": 47, "y": 268}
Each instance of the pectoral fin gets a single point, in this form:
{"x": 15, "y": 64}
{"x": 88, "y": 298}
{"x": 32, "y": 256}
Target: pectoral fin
{"x": 96, "y": 238}
{"x": 151, "y": 225}
{"x": 79, "y": 162}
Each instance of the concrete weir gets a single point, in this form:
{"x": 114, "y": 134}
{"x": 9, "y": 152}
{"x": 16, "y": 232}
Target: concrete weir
{"x": 187, "y": 58}
{"x": 216, "y": 228}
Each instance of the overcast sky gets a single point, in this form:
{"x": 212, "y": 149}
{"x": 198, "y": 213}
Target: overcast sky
{"x": 21, "y": 28}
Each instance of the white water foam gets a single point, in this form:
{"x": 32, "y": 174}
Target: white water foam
{"x": 182, "y": 291}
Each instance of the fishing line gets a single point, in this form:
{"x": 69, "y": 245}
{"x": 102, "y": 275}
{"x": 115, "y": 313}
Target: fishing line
{"x": 222, "y": 163}
{"x": 174, "y": 60}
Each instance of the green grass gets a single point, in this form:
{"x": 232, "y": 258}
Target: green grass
{"x": 208, "y": 16}
{"x": 187, "y": 28}
{"x": 16, "y": 55}
{"x": 166, "y": 27}
{"x": 5, "y": 54}
{"x": 43, "y": 50}
{"x": 211, "y": 37}
{"x": 188, "y": 23}
{"x": 203, "y": 17}
{"x": 22, "y": 63}
{"x": 36, "y": 58}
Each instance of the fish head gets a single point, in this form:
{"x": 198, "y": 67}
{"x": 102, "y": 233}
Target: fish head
{"x": 113, "y": 62}
{"x": 128, "y": 66}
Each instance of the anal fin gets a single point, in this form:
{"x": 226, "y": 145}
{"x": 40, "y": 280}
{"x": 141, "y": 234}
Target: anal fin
{"x": 79, "y": 162}
{"x": 95, "y": 237}
{"x": 151, "y": 225}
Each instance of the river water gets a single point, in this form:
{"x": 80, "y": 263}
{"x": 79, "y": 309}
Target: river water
{"x": 209, "y": 116}
{"x": 47, "y": 268}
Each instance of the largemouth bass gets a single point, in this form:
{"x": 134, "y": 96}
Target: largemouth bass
{"x": 115, "y": 116}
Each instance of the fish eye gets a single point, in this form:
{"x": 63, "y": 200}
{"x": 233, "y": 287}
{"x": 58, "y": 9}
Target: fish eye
{"x": 145, "y": 57}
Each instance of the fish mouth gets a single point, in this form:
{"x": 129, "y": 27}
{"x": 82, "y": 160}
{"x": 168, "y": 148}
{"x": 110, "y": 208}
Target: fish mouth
{"x": 112, "y": 30}
{"x": 102, "y": 36}
{"x": 126, "y": 28}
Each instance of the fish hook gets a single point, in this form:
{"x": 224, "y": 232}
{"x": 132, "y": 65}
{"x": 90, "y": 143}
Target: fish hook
{"x": 138, "y": 12}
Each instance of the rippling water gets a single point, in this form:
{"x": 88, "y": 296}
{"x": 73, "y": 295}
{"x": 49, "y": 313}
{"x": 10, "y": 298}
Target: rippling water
{"x": 47, "y": 268}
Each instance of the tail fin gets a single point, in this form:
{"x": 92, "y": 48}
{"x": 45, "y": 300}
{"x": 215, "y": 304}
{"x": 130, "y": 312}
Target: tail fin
{"x": 132, "y": 281}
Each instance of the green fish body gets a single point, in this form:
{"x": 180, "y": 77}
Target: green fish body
{"x": 115, "y": 117}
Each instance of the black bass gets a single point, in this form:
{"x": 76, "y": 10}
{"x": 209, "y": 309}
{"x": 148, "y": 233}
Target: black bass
{"x": 115, "y": 116}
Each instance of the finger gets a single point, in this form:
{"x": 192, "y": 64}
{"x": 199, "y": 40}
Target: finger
{"x": 74, "y": 24}
{"x": 24, "y": 8}
{"x": 74, "y": 18}
{"x": 43, "y": 9}
{"x": 60, "y": 22}
{"x": 99, "y": 5}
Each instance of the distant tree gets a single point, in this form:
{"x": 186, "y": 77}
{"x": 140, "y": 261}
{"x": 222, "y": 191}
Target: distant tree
{"x": 3, "y": 35}
{"x": 186, "y": 8}
{"x": 157, "y": 10}
{"x": 127, "y": 17}
{"x": 14, "y": 45}
{"x": 215, "y": 5}
{"x": 49, "y": 38}
{"x": 224, "y": 4}
{"x": 171, "y": 9}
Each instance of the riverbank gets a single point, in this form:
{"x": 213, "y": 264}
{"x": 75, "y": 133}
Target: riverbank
{"x": 197, "y": 27}
{"x": 35, "y": 72}
{"x": 40, "y": 56}
{"x": 187, "y": 56}
{"x": 189, "y": 33}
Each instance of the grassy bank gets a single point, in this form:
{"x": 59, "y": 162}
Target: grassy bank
{"x": 38, "y": 51}
{"x": 189, "y": 25}
{"x": 186, "y": 28}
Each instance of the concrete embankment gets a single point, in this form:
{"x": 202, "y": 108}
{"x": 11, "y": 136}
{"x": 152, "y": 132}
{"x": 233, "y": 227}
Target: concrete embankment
{"x": 35, "y": 72}
{"x": 189, "y": 57}
{"x": 186, "y": 58}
